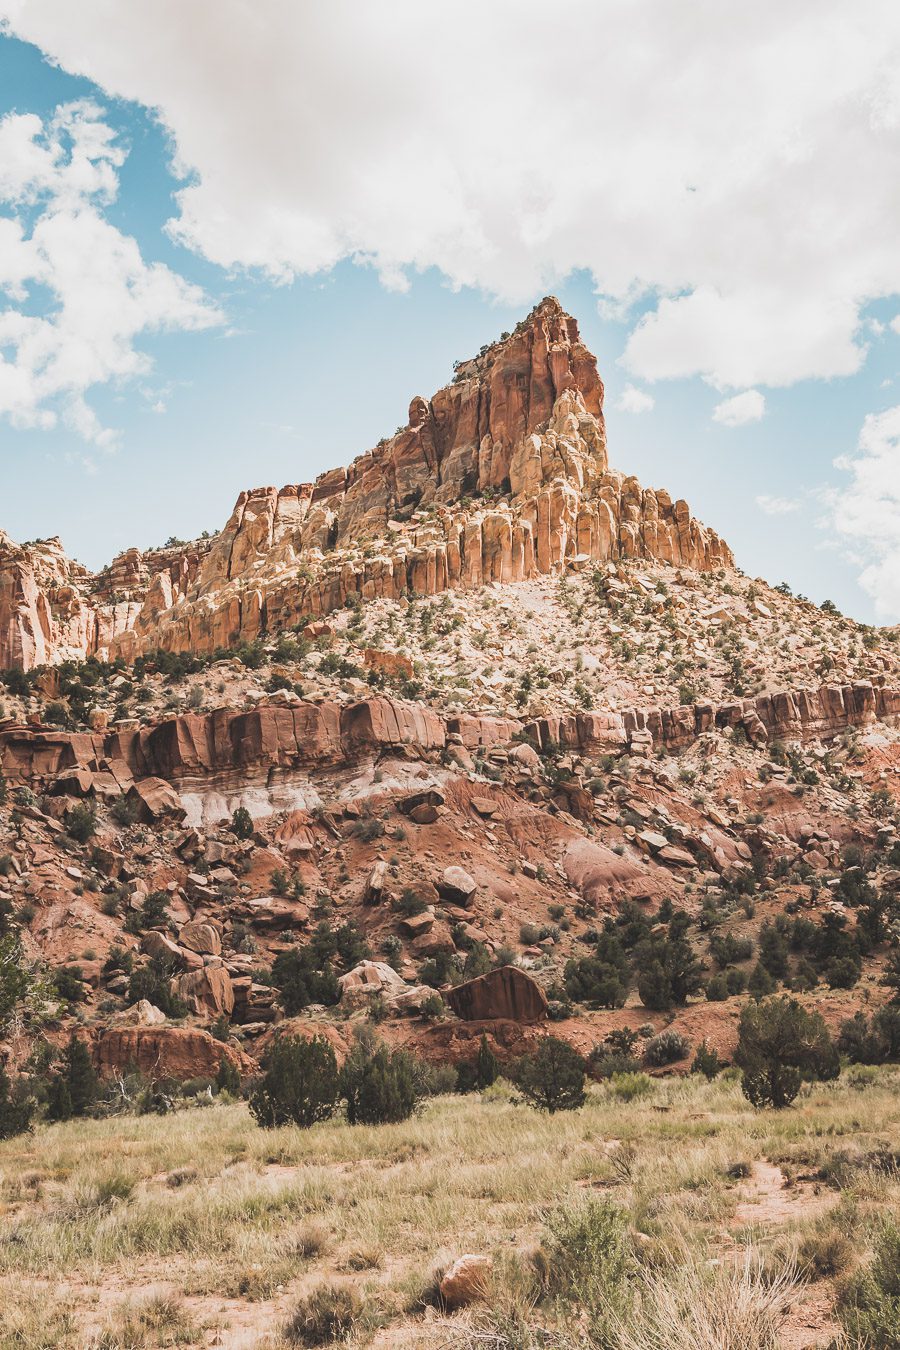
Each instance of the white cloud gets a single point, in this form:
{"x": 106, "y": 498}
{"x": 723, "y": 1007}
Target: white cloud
{"x": 776, "y": 506}
{"x": 79, "y": 292}
{"x": 634, "y": 400}
{"x": 866, "y": 513}
{"x": 749, "y": 406}
{"x": 736, "y": 164}
{"x": 895, "y": 324}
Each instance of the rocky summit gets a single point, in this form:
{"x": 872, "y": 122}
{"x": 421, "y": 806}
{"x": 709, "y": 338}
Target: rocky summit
{"x": 454, "y": 739}
{"x": 502, "y": 476}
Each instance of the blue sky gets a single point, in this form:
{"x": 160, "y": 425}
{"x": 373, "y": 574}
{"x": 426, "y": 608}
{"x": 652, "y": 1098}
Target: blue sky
{"x": 278, "y": 364}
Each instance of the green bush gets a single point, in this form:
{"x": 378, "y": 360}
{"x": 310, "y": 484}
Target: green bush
{"x": 153, "y": 982}
{"x": 16, "y": 1108}
{"x": 706, "y": 1061}
{"x": 552, "y": 1079}
{"x": 779, "y": 1045}
{"x": 73, "y": 1090}
{"x": 301, "y": 979}
{"x": 242, "y": 823}
{"x": 869, "y": 1304}
{"x": 666, "y": 1048}
{"x": 585, "y": 1255}
{"x": 380, "y": 1087}
{"x": 81, "y": 822}
{"x": 299, "y": 1085}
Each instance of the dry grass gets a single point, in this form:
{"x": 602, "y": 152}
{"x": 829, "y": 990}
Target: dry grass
{"x": 267, "y": 1219}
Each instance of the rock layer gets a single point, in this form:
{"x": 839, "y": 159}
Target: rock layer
{"x": 248, "y": 746}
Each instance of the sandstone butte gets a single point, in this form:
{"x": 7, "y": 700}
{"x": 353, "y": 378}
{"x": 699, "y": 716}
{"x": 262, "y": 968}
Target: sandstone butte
{"x": 500, "y": 477}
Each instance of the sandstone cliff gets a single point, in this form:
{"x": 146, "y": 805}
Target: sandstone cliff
{"x": 501, "y": 476}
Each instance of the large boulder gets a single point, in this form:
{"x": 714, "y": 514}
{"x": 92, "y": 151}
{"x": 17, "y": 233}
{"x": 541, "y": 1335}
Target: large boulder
{"x": 154, "y": 799}
{"x": 504, "y": 993}
{"x": 207, "y": 992}
{"x": 203, "y": 936}
{"x": 368, "y": 979}
{"x": 457, "y": 886}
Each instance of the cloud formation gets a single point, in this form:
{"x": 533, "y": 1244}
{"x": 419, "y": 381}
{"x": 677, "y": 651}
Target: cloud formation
{"x": 866, "y": 513}
{"x": 737, "y": 168}
{"x": 78, "y": 292}
{"x": 776, "y": 506}
{"x": 634, "y": 400}
{"x": 740, "y": 409}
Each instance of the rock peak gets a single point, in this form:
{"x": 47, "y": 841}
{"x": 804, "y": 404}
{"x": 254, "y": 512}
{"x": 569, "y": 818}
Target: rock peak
{"x": 500, "y": 476}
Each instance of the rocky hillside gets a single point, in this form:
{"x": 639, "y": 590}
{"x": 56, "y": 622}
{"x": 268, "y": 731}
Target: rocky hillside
{"x": 472, "y": 735}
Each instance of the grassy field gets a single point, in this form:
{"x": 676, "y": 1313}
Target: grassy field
{"x": 662, "y": 1213}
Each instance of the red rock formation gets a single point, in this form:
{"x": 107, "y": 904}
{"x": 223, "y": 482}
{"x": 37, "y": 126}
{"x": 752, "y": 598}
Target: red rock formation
{"x": 165, "y": 1052}
{"x": 501, "y": 476}
{"x": 188, "y": 749}
{"x": 506, "y": 993}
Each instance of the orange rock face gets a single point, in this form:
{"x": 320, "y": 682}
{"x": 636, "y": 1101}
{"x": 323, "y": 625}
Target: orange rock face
{"x": 501, "y": 476}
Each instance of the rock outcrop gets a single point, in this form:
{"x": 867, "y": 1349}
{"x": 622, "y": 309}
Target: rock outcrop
{"x": 246, "y": 747}
{"x": 506, "y": 993}
{"x": 499, "y": 477}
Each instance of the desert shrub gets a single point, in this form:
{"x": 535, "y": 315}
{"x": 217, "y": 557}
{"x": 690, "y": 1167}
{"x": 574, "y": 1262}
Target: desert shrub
{"x": 589, "y": 980}
{"x": 630, "y": 1086}
{"x": 81, "y": 822}
{"x": 479, "y": 1073}
{"x": 717, "y": 989}
{"x": 552, "y": 1079}
{"x": 706, "y": 1061}
{"x": 875, "y": 1042}
{"x": 666, "y": 1048}
{"x": 299, "y": 1085}
{"x": 153, "y": 913}
{"x": 67, "y": 984}
{"x": 228, "y": 1079}
{"x": 329, "y": 1314}
{"x": 779, "y": 1045}
{"x": 242, "y": 823}
{"x": 726, "y": 948}
{"x": 124, "y": 811}
{"x": 736, "y": 981}
{"x": 73, "y": 1089}
{"x": 153, "y": 982}
{"x": 15, "y": 980}
{"x": 825, "y": 1252}
{"x": 586, "y": 1259}
{"x": 669, "y": 969}
{"x": 869, "y": 1305}
{"x": 379, "y": 1086}
{"x": 301, "y": 978}
{"x": 16, "y": 1108}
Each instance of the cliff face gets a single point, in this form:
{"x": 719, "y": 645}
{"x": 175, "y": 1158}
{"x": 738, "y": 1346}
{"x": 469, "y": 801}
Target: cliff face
{"x": 501, "y": 476}
{"x": 235, "y": 750}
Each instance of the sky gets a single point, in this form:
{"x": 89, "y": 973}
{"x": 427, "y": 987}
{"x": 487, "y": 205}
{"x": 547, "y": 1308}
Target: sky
{"x": 236, "y": 238}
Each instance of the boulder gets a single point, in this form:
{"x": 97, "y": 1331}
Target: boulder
{"x": 367, "y": 979}
{"x": 457, "y": 886}
{"x": 155, "y": 799}
{"x": 466, "y": 1281}
{"x": 203, "y": 936}
{"x": 207, "y": 992}
{"x": 374, "y": 888}
{"x": 503, "y": 993}
{"x": 436, "y": 940}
